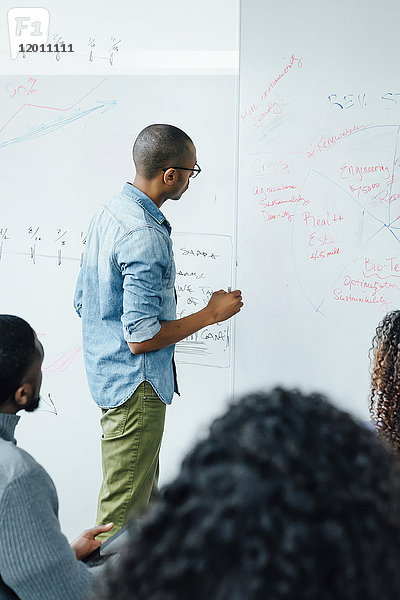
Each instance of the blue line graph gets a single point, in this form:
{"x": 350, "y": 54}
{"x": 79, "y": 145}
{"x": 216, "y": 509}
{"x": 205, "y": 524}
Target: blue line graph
{"x": 47, "y": 128}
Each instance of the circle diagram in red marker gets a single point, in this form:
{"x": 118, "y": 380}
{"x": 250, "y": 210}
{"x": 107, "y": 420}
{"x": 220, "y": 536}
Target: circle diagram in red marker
{"x": 346, "y": 241}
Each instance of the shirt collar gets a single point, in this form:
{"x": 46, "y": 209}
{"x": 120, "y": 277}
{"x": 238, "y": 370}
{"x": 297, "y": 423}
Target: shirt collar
{"x": 146, "y": 203}
{"x": 8, "y": 424}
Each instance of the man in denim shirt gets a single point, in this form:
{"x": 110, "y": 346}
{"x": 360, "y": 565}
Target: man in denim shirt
{"x": 126, "y": 298}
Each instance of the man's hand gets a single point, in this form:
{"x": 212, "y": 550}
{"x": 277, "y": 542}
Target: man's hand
{"x": 223, "y": 305}
{"x": 86, "y": 542}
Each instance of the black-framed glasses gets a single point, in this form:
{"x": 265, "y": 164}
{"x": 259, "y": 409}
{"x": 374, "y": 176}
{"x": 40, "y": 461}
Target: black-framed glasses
{"x": 195, "y": 171}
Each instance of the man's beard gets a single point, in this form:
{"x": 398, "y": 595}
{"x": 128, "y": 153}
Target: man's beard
{"x": 32, "y": 404}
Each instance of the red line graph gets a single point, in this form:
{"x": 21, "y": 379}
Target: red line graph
{"x": 51, "y": 107}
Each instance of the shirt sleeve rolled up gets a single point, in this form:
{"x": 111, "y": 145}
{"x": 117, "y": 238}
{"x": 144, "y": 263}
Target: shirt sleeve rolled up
{"x": 143, "y": 258}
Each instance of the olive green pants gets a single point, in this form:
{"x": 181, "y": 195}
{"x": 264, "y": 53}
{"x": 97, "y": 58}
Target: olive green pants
{"x": 130, "y": 447}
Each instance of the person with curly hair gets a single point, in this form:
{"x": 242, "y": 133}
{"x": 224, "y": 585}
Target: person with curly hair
{"x": 385, "y": 379}
{"x": 287, "y": 498}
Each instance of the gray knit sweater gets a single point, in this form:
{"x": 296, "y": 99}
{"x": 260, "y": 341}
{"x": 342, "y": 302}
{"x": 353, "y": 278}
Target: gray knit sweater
{"x": 36, "y": 560}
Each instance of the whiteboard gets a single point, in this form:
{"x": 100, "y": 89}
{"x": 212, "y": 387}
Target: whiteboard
{"x": 319, "y": 193}
{"x": 65, "y": 147}
{"x": 129, "y": 36}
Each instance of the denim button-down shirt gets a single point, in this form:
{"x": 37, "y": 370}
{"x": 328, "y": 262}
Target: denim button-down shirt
{"x": 125, "y": 288}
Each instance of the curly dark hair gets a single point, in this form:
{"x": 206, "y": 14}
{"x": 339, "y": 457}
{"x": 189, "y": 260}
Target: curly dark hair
{"x": 286, "y": 498}
{"x": 17, "y": 352}
{"x": 384, "y": 400}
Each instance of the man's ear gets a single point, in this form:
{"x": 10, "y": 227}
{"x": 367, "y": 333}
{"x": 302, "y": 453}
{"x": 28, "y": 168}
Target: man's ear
{"x": 22, "y": 395}
{"x": 169, "y": 176}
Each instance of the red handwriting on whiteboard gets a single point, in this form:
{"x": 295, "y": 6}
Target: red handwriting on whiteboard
{"x": 389, "y": 268}
{"x": 284, "y": 216}
{"x": 358, "y": 171}
{"x": 272, "y": 107}
{"x": 371, "y": 300}
{"x": 293, "y": 61}
{"x": 271, "y": 85}
{"x": 17, "y": 87}
{"x": 374, "y": 285}
{"x": 320, "y": 240}
{"x": 364, "y": 189}
{"x": 292, "y": 200}
{"x": 267, "y": 168}
{"x": 324, "y": 143}
{"x": 327, "y": 220}
{"x": 249, "y": 111}
{"x": 383, "y": 196}
{"x": 321, "y": 254}
{"x": 263, "y": 191}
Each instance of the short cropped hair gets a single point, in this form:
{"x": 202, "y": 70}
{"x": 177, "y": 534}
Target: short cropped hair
{"x": 287, "y": 498}
{"x": 158, "y": 147}
{"x": 385, "y": 379}
{"x": 17, "y": 353}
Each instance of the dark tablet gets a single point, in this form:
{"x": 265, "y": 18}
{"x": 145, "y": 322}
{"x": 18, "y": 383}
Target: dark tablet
{"x": 112, "y": 546}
